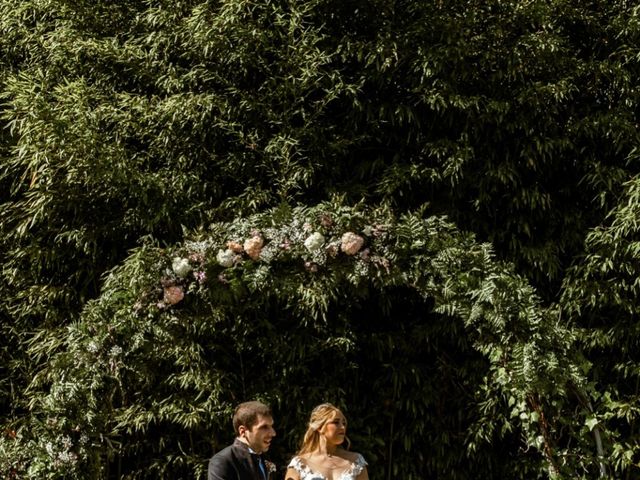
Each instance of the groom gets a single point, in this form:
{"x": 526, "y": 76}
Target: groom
{"x": 242, "y": 460}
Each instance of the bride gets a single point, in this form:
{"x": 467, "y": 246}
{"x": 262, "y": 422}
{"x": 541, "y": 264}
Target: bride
{"x": 321, "y": 456}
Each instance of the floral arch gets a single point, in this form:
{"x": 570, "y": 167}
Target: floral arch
{"x": 296, "y": 306}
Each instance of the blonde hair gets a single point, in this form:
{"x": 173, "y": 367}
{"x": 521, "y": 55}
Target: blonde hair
{"x": 320, "y": 415}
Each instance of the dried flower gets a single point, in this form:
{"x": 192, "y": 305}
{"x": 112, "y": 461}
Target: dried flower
{"x": 66, "y": 441}
{"x": 311, "y": 266}
{"x": 326, "y": 220}
{"x": 384, "y": 263}
{"x": 253, "y": 246}
{"x": 271, "y": 467}
{"x": 197, "y": 257}
{"x": 351, "y": 243}
{"x": 173, "y": 295}
{"x": 314, "y": 241}
{"x": 286, "y": 244}
{"x": 225, "y": 257}
{"x": 379, "y": 230}
{"x": 332, "y": 250}
{"x": 181, "y": 267}
{"x": 68, "y": 457}
{"x": 200, "y": 277}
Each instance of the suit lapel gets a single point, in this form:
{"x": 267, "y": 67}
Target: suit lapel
{"x": 251, "y": 466}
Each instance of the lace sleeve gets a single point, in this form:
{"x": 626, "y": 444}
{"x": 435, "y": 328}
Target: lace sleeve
{"x": 358, "y": 465}
{"x": 303, "y": 470}
{"x": 297, "y": 465}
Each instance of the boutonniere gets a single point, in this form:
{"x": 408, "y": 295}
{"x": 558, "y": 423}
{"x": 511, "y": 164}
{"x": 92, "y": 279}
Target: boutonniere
{"x": 271, "y": 467}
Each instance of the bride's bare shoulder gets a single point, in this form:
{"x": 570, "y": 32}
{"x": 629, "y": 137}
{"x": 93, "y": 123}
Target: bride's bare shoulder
{"x": 349, "y": 455}
{"x": 292, "y": 474}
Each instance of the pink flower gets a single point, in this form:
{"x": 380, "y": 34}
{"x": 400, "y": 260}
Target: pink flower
{"x": 173, "y": 295}
{"x": 235, "y": 247}
{"x": 253, "y": 246}
{"x": 351, "y": 243}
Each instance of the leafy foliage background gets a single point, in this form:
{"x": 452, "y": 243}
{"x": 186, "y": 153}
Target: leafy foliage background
{"x": 138, "y": 123}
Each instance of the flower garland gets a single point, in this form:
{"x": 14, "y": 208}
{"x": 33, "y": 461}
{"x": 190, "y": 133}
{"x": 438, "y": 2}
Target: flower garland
{"x": 312, "y": 237}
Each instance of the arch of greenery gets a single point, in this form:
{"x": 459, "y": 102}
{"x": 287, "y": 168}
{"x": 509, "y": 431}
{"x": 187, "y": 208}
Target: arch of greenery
{"x": 443, "y": 358}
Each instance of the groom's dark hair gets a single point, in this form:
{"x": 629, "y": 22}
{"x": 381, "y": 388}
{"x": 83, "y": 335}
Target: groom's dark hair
{"x": 247, "y": 414}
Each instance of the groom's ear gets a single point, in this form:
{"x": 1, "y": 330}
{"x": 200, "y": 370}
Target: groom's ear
{"x": 241, "y": 430}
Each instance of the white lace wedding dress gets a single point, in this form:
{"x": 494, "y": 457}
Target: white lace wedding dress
{"x": 351, "y": 473}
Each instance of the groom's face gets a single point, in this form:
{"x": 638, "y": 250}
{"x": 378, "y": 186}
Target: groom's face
{"x": 260, "y": 435}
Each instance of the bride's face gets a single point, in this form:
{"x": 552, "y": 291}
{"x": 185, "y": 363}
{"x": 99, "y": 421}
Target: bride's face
{"x": 335, "y": 429}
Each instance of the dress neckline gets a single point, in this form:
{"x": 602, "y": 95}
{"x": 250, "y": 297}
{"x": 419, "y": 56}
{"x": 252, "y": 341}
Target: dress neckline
{"x": 304, "y": 468}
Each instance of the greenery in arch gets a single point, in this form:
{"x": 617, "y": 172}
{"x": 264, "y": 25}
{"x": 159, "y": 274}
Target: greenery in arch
{"x": 600, "y": 296}
{"x": 298, "y": 306}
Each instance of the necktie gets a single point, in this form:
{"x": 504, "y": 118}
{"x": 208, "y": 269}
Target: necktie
{"x": 262, "y": 467}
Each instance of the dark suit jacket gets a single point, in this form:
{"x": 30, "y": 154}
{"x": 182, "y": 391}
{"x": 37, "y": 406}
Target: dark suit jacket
{"x": 234, "y": 462}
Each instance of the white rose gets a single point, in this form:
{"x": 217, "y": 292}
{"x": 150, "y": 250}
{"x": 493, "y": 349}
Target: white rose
{"x": 181, "y": 267}
{"x": 225, "y": 257}
{"x": 314, "y": 241}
